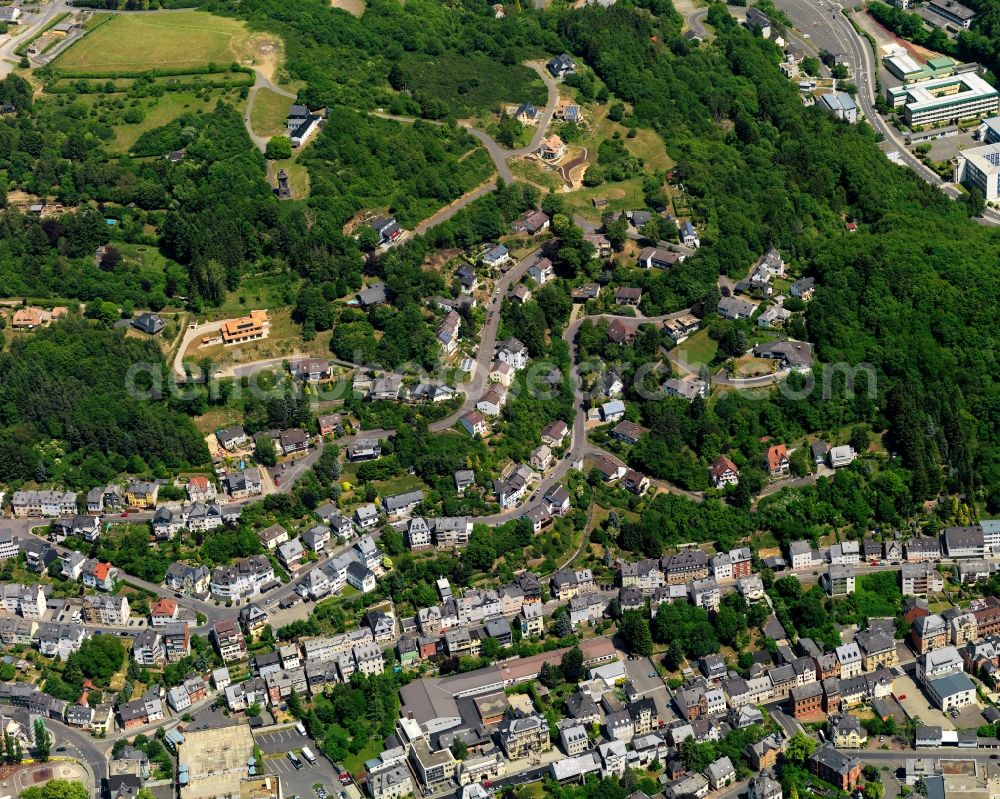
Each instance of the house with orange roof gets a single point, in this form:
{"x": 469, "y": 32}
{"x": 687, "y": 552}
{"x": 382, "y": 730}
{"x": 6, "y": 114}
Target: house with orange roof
{"x": 552, "y": 148}
{"x": 200, "y": 489}
{"x": 99, "y": 575}
{"x": 777, "y": 460}
{"x": 163, "y": 612}
{"x": 245, "y": 328}
{"x": 723, "y": 472}
{"x": 29, "y": 318}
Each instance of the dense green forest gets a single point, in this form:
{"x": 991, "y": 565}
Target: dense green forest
{"x": 348, "y": 61}
{"x": 914, "y": 293}
{"x": 69, "y": 384}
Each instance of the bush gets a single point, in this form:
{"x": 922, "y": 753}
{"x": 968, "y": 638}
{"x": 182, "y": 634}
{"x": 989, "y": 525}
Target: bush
{"x": 279, "y": 147}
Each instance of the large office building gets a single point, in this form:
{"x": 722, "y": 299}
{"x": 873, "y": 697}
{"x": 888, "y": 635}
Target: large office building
{"x": 947, "y": 99}
{"x": 989, "y": 131}
{"x": 950, "y": 11}
{"x": 979, "y": 168}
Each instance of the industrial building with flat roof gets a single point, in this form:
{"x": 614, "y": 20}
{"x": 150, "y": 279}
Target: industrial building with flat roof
{"x": 211, "y": 763}
{"x": 909, "y": 70}
{"x": 841, "y": 105}
{"x": 947, "y": 99}
{"x": 953, "y": 12}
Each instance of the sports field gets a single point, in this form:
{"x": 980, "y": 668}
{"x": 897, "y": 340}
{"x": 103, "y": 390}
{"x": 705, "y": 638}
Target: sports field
{"x": 158, "y": 40}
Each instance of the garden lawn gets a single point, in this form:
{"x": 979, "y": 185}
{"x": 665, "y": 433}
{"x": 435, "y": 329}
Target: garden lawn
{"x": 648, "y": 146}
{"x": 622, "y": 196}
{"x": 699, "y": 349}
{"x": 298, "y": 176}
{"x": 143, "y": 42}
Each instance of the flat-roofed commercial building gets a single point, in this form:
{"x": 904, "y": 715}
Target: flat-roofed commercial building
{"x": 904, "y": 67}
{"x": 950, "y": 99}
{"x": 955, "y": 13}
{"x": 979, "y": 168}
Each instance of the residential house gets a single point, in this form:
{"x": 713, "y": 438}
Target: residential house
{"x": 43, "y": 503}
{"x": 686, "y": 388}
{"x": 843, "y": 771}
{"x": 290, "y": 554}
{"x": 330, "y": 424}
{"x": 735, "y": 308}
{"x": 720, "y": 773}
{"x": 243, "y": 483}
{"x": 723, "y": 472}
{"x": 777, "y": 460}
{"x": 612, "y": 411}
{"x": 796, "y": 356}
{"x": 629, "y": 296}
{"x": 552, "y": 148}
{"x": 496, "y": 256}
{"x": 560, "y": 66}
{"x": 532, "y": 222}
{"x": 101, "y": 576}
{"x": 474, "y": 423}
{"x": 232, "y": 438}
{"x": 142, "y": 494}
{"x": 653, "y": 257}
{"x": 523, "y": 734}
{"x": 274, "y": 536}
{"x": 555, "y": 433}
{"x": 229, "y": 640}
{"x": 689, "y": 235}
{"x": 364, "y": 449}
{"x": 491, "y": 403}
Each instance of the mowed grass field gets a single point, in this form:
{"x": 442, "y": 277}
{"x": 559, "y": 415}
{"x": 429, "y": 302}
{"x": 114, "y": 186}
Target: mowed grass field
{"x": 269, "y": 111}
{"x": 168, "y": 40}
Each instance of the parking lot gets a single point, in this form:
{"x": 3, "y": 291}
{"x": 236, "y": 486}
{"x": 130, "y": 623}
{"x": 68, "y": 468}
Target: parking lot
{"x": 915, "y": 703}
{"x": 643, "y": 675}
{"x": 298, "y": 782}
{"x": 208, "y": 718}
{"x": 282, "y": 741}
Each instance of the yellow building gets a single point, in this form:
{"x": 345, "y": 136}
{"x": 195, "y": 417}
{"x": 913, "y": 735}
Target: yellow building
{"x": 140, "y": 494}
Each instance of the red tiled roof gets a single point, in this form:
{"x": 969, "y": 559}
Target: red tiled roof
{"x": 722, "y": 465}
{"x": 165, "y": 607}
{"x": 775, "y": 455}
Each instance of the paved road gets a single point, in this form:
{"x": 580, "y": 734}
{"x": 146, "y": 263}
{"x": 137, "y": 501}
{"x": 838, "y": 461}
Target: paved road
{"x": 475, "y": 386}
{"x": 696, "y": 22}
{"x": 8, "y": 59}
{"x": 193, "y": 332}
{"x": 446, "y": 213}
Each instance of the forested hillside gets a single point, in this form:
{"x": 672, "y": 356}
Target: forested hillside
{"x": 70, "y": 383}
{"x": 915, "y": 293}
